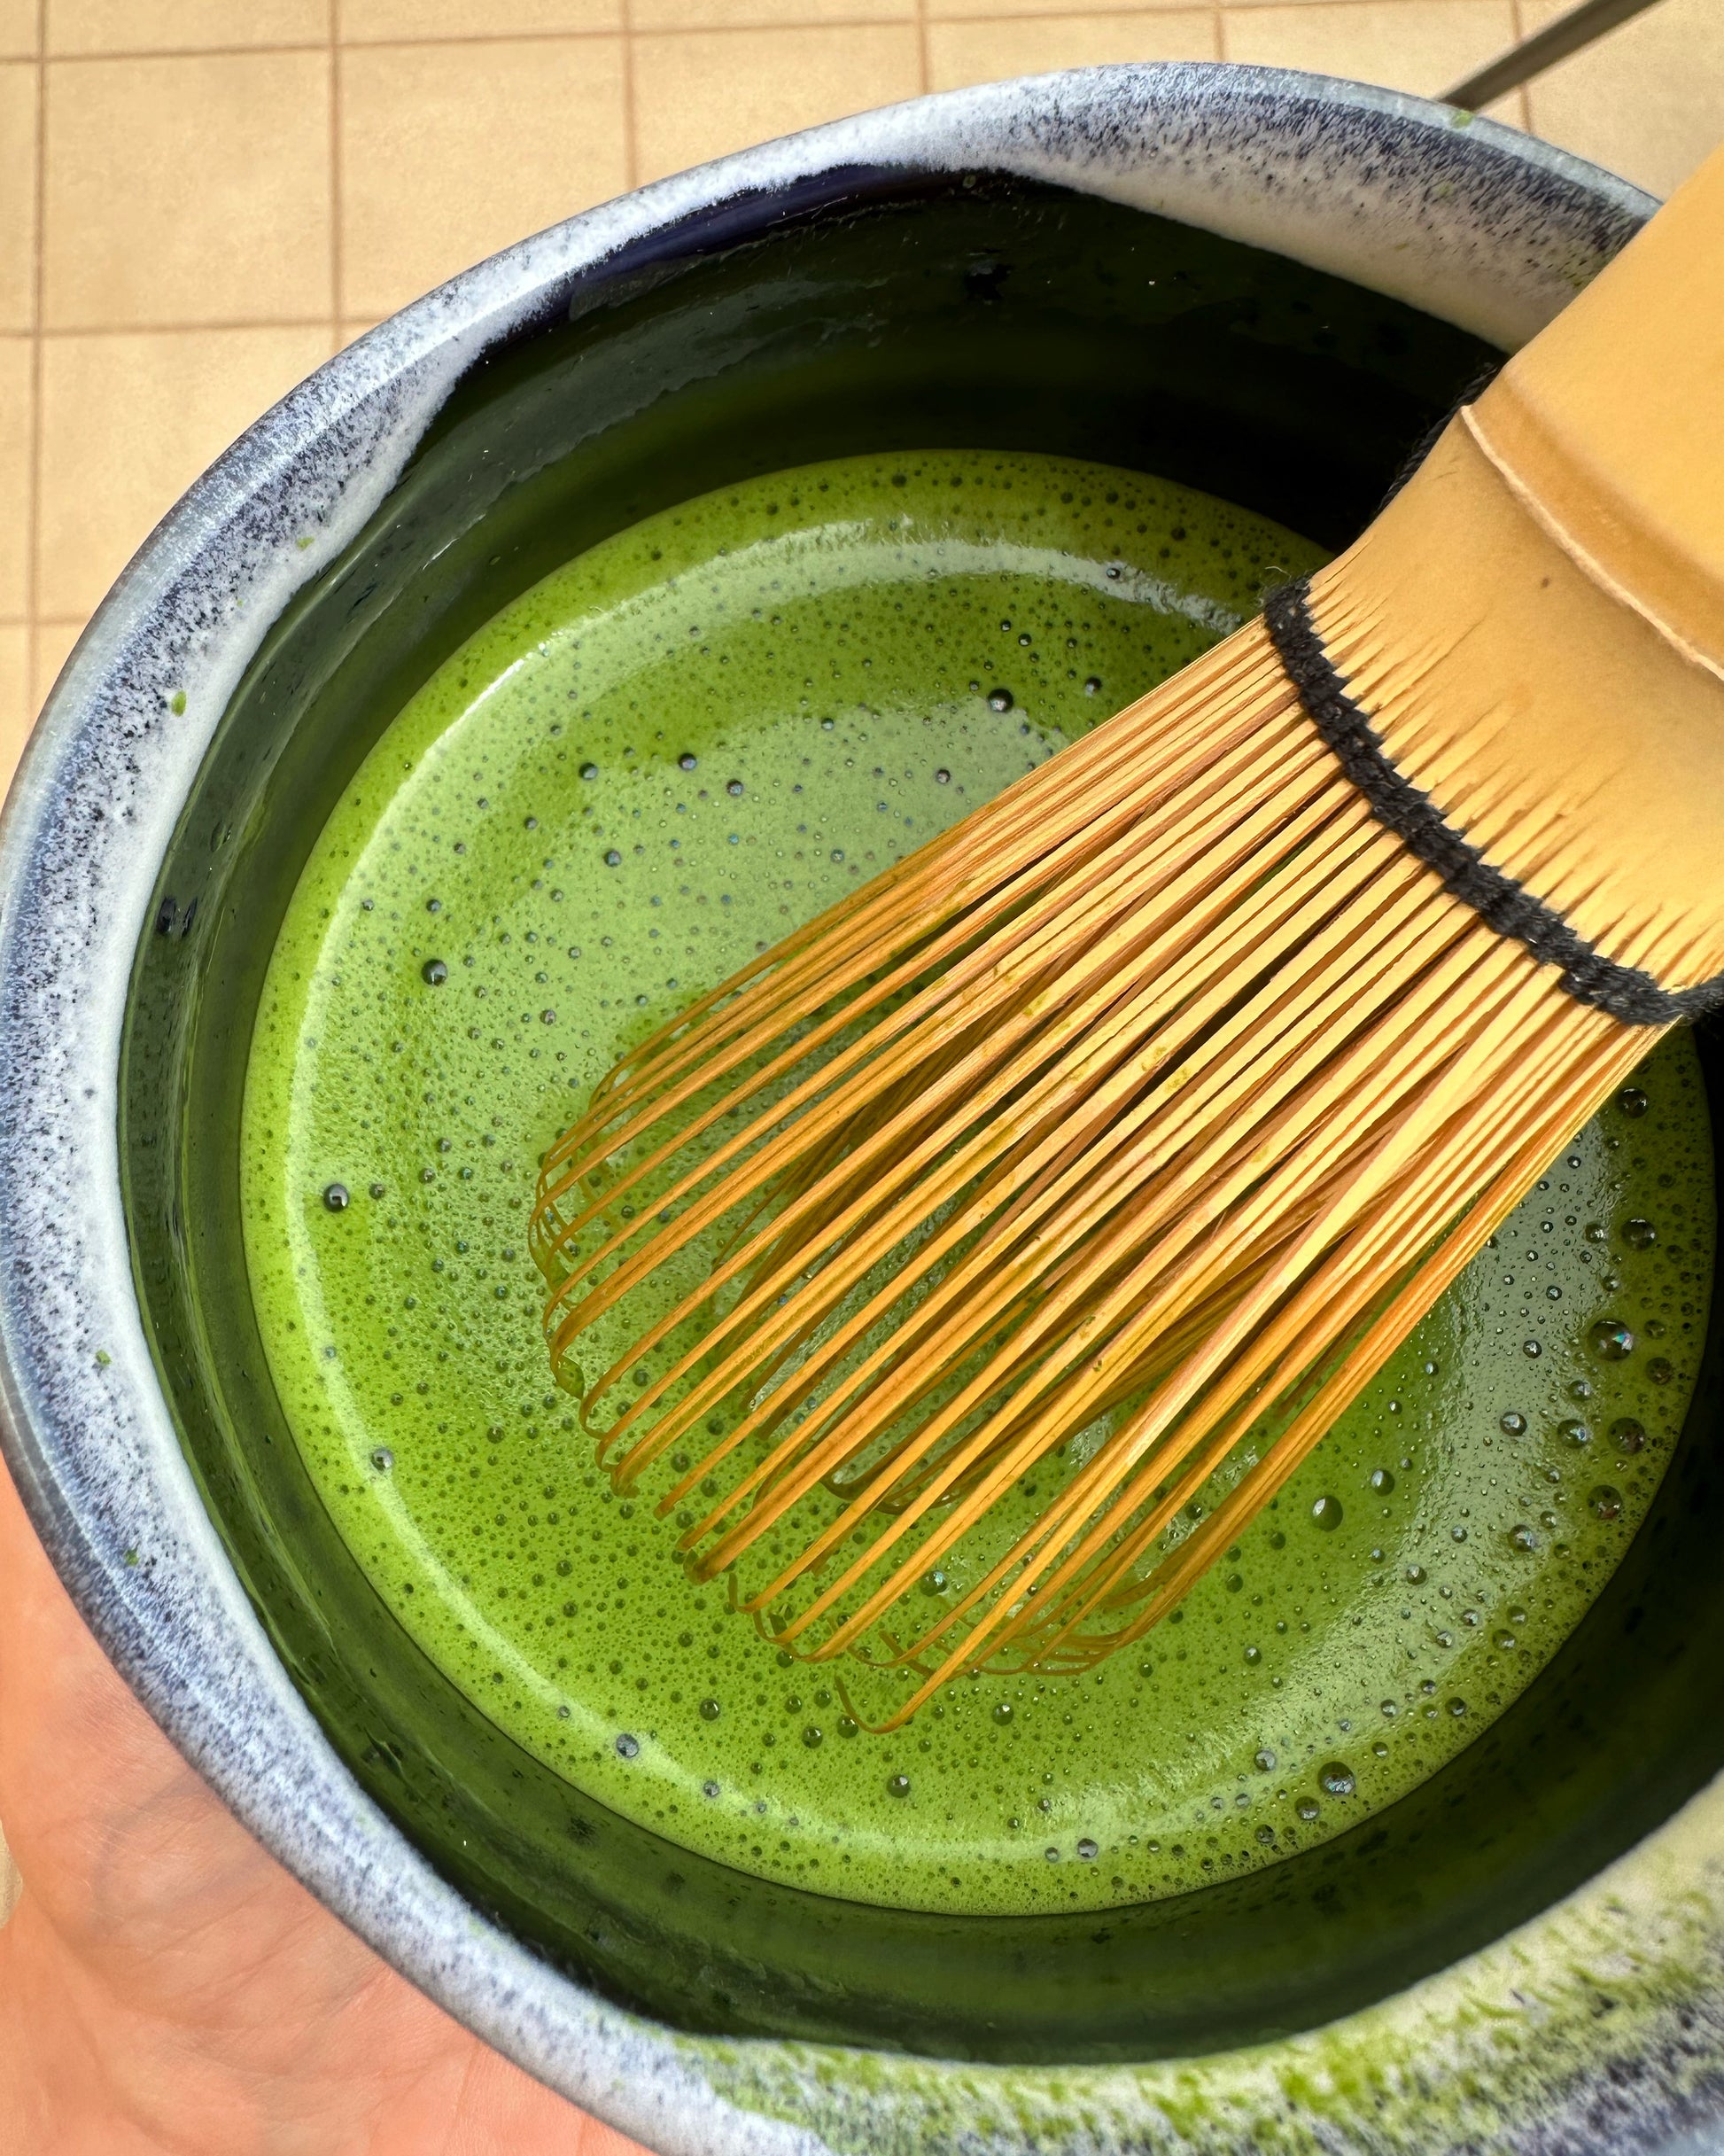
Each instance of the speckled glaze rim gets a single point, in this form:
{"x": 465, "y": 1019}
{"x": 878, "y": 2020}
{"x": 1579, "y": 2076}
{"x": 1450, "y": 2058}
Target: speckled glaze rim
{"x": 1598, "y": 2026}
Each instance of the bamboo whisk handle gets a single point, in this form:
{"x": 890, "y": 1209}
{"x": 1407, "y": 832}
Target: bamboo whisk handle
{"x": 1613, "y": 419}
{"x": 1535, "y": 623}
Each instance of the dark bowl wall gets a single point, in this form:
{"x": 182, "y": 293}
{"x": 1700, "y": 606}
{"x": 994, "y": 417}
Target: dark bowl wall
{"x": 885, "y": 312}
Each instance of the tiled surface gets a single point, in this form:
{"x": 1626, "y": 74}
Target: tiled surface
{"x": 698, "y": 93}
{"x": 1647, "y": 101}
{"x": 1424, "y": 47}
{"x": 978, "y": 51}
{"x": 432, "y": 178}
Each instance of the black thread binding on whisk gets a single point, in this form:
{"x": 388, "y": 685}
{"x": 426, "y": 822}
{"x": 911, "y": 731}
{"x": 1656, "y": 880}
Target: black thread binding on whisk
{"x": 1625, "y": 991}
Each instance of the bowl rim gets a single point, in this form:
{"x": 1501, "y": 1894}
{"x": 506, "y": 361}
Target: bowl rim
{"x": 1466, "y": 218}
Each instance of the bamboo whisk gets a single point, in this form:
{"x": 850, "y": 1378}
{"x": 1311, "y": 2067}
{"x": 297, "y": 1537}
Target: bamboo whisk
{"x": 974, "y": 1266}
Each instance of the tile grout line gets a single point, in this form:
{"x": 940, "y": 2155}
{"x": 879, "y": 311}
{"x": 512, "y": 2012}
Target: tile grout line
{"x": 67, "y": 332}
{"x": 337, "y": 266}
{"x": 130, "y": 53}
{"x": 32, "y": 529}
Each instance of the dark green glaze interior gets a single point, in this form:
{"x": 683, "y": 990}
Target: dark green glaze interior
{"x": 888, "y": 314}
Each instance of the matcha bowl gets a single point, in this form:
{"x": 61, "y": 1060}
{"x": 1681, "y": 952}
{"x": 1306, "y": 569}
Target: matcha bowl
{"x": 1263, "y": 286}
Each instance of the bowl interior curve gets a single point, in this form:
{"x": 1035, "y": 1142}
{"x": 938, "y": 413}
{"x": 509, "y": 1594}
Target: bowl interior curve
{"x": 969, "y": 311}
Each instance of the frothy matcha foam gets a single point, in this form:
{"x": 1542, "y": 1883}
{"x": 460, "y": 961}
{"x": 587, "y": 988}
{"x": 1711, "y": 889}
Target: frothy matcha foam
{"x": 643, "y": 772}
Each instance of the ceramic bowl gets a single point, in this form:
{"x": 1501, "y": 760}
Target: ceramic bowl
{"x": 1263, "y": 283}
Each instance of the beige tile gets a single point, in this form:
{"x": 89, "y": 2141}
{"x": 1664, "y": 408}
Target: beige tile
{"x": 17, "y": 355}
{"x": 53, "y": 643}
{"x": 961, "y": 52}
{"x": 1647, "y": 101}
{"x": 187, "y": 190}
{"x": 18, "y": 194}
{"x": 1420, "y": 45}
{"x": 701, "y": 94}
{"x": 18, "y": 28}
{"x": 17, "y": 707}
{"x": 450, "y": 151}
{"x": 365, "y": 20}
{"x": 182, "y": 26}
{"x": 760, "y": 14}
{"x": 128, "y": 423}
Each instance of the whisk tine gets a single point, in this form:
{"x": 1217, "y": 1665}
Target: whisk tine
{"x": 1117, "y": 1135}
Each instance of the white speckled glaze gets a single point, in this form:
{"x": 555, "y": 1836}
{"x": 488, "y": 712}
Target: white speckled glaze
{"x": 1598, "y": 2026}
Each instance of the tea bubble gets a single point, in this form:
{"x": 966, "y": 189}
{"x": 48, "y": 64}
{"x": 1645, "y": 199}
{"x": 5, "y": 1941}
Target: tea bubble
{"x": 1514, "y": 1424}
{"x": 1632, "y": 1101}
{"x": 627, "y": 1747}
{"x": 433, "y": 973}
{"x": 1639, "y": 1234}
{"x": 1612, "y": 1340}
{"x": 999, "y": 700}
{"x": 1627, "y": 1435}
{"x": 383, "y": 1459}
{"x": 1088, "y": 1850}
{"x": 1576, "y": 1433}
{"x": 1604, "y": 1503}
{"x": 898, "y": 1785}
{"x": 1523, "y": 1537}
{"x": 1382, "y": 1481}
{"x": 1308, "y": 1809}
{"x": 335, "y": 1197}
{"x": 1326, "y": 1513}
{"x": 1003, "y": 1712}
{"x": 1336, "y": 1778}
{"x": 1266, "y": 1760}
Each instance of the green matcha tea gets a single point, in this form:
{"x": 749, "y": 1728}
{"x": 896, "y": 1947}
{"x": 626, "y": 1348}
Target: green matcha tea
{"x": 679, "y": 746}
